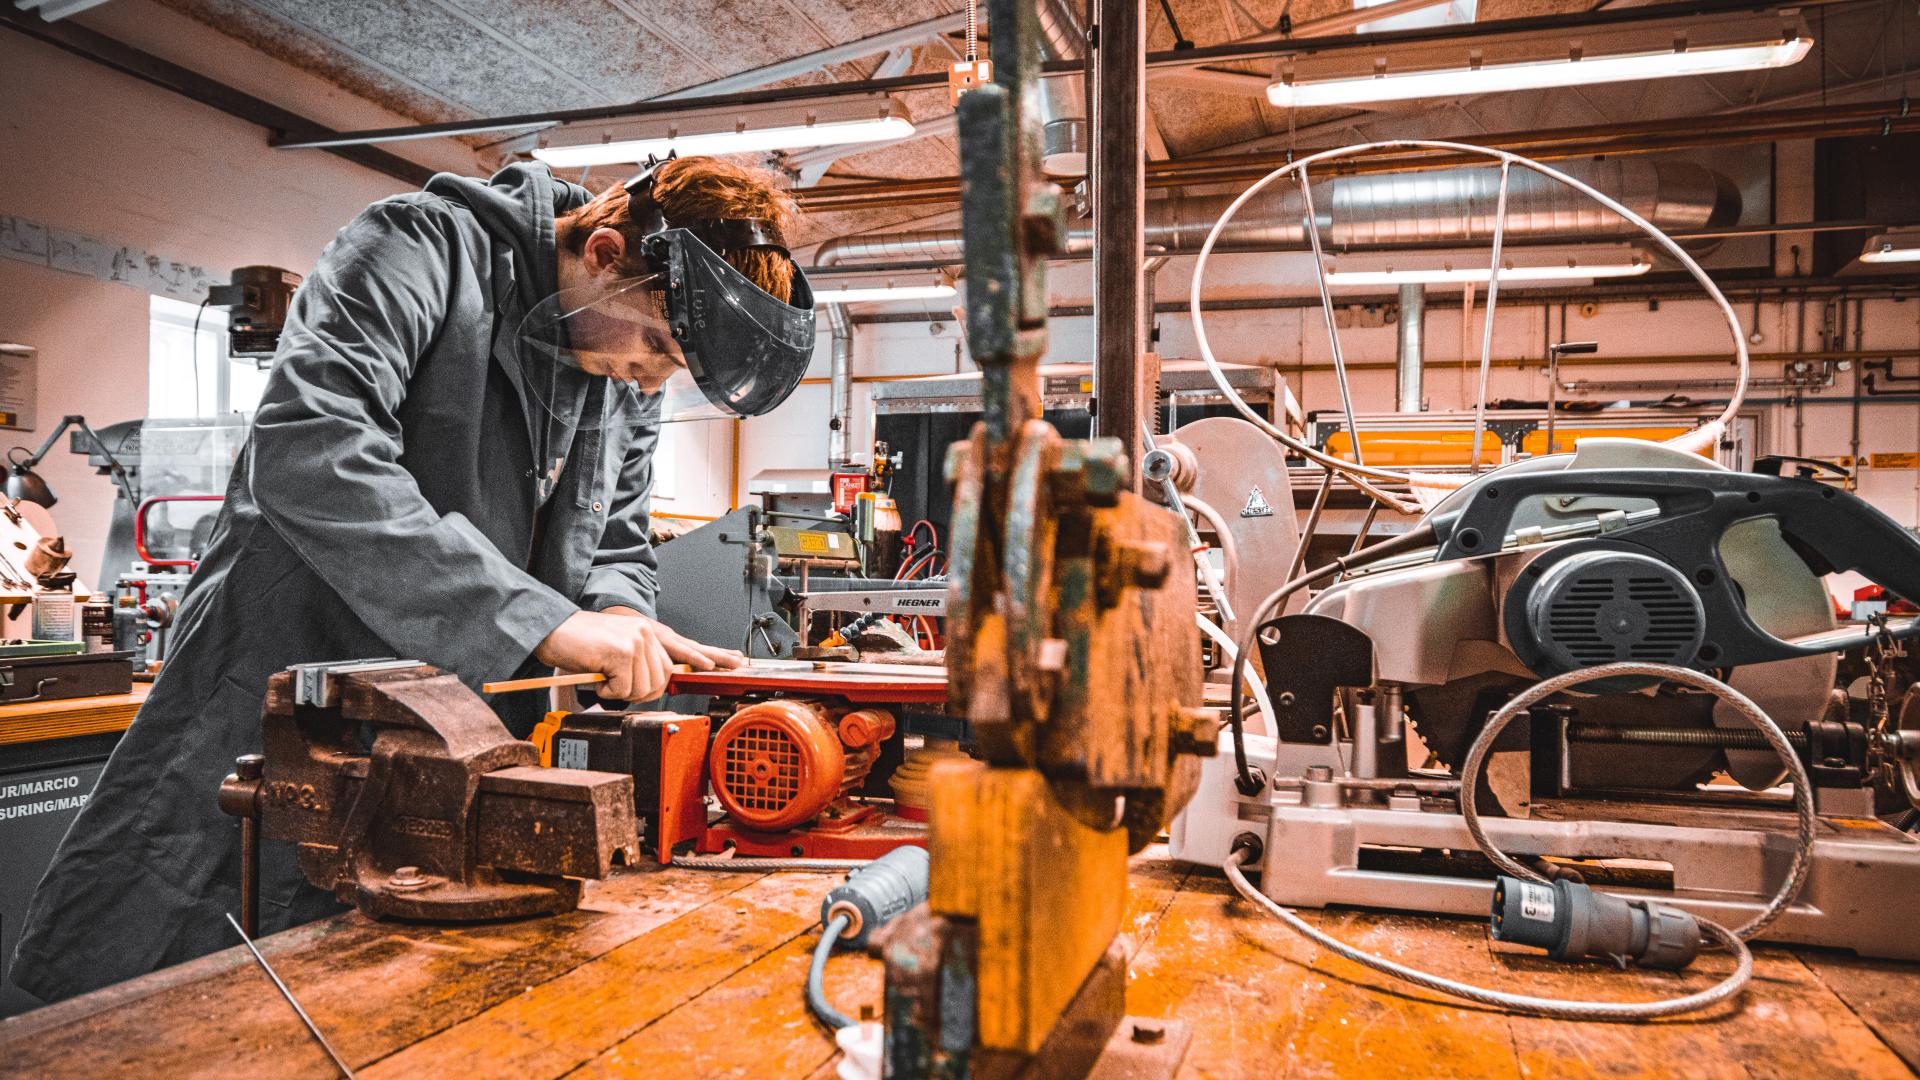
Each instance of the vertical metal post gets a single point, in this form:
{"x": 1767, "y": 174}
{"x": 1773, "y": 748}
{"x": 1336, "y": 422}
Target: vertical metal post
{"x": 1120, "y": 382}
{"x": 1553, "y": 393}
{"x": 1409, "y": 387}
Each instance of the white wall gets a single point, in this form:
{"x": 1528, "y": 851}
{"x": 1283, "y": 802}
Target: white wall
{"x": 110, "y": 156}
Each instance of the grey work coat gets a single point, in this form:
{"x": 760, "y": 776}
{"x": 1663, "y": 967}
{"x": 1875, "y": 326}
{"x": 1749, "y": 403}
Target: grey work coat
{"x": 389, "y": 502}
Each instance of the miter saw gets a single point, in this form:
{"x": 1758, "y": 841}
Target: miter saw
{"x": 1623, "y": 550}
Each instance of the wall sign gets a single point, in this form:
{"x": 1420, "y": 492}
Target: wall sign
{"x": 19, "y": 386}
{"x": 76, "y": 253}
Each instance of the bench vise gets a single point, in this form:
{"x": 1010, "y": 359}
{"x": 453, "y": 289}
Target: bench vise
{"x": 409, "y": 799}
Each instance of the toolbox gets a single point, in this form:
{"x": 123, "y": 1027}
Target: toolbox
{"x": 49, "y": 678}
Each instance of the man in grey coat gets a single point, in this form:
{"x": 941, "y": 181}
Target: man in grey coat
{"x": 403, "y": 493}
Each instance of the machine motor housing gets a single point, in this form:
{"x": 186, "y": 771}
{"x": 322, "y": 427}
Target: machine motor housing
{"x": 1584, "y": 605}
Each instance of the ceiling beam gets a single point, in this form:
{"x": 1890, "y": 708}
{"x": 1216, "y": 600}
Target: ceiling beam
{"x": 887, "y": 41}
{"x": 1705, "y": 233}
{"x": 194, "y": 86}
{"x": 1673, "y": 133}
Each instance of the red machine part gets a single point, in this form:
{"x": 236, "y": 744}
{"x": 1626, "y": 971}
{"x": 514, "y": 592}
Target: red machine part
{"x": 1895, "y": 605}
{"x": 777, "y": 765}
{"x": 140, "y": 529}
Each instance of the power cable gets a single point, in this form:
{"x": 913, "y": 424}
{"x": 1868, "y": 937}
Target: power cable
{"x": 193, "y": 352}
{"x": 817, "y": 971}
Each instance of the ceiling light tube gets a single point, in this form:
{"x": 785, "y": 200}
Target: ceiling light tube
{"x": 880, "y": 293}
{"x": 1899, "y": 246}
{"x": 1571, "y": 70}
{"x": 1378, "y": 274}
{"x": 717, "y": 132}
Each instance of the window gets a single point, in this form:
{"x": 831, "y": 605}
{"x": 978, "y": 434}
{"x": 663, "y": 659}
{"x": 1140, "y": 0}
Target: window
{"x": 189, "y": 374}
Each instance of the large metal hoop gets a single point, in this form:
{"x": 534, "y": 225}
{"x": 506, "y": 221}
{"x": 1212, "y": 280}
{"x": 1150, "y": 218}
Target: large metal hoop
{"x": 1359, "y": 472}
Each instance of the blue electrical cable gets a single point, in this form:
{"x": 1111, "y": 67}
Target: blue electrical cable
{"x": 816, "y": 975}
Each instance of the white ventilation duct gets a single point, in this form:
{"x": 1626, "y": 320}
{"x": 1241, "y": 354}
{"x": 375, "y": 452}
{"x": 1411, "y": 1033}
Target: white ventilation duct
{"x": 1436, "y": 206}
{"x": 1063, "y": 101}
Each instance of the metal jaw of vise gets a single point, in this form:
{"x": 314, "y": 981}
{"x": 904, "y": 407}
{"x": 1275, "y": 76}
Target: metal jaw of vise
{"x": 409, "y": 799}
{"x": 1074, "y": 655}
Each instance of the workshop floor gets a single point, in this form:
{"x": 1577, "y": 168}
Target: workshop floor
{"x": 692, "y": 973}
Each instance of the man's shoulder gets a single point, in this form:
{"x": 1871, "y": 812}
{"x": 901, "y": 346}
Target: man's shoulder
{"x": 415, "y": 218}
{"x": 420, "y": 206}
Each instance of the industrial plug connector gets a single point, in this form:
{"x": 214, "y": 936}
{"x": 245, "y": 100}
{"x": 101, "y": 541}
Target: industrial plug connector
{"x": 1571, "y": 922}
{"x": 871, "y": 897}
{"x": 877, "y": 893}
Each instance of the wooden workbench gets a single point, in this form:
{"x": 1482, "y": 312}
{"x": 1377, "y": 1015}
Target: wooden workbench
{"x": 695, "y": 973}
{"x": 67, "y": 718}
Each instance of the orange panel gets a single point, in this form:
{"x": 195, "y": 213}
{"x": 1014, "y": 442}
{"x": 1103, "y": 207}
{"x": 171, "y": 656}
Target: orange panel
{"x": 683, "y": 806}
{"x": 1417, "y": 447}
{"x": 1564, "y": 438}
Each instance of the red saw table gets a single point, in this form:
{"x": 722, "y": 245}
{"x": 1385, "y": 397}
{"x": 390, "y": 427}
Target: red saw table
{"x": 858, "y": 683}
{"x": 686, "y": 973}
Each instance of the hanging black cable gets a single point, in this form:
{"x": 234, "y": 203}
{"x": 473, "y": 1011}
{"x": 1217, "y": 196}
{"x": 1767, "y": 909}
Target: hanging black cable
{"x": 1179, "y": 39}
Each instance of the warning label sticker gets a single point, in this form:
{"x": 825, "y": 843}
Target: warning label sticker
{"x": 1256, "y": 505}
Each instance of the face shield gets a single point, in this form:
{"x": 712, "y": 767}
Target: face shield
{"x": 603, "y": 356}
{"x": 695, "y": 339}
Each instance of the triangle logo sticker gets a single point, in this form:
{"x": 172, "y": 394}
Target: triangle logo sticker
{"x": 1256, "y": 505}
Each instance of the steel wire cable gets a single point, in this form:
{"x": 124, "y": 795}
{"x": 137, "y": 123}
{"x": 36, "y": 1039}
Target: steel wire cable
{"x": 1367, "y": 477}
{"x": 1615, "y": 1011}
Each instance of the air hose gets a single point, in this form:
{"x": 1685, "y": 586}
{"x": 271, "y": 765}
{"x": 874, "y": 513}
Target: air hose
{"x": 1246, "y": 846}
{"x": 873, "y": 895}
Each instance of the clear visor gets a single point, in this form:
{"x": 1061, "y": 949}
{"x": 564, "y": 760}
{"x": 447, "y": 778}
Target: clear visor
{"x": 602, "y": 356}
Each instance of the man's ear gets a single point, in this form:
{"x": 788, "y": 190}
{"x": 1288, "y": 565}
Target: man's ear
{"x": 605, "y": 248}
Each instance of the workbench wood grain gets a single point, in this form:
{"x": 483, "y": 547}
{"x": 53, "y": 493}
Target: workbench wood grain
{"x": 676, "y": 972}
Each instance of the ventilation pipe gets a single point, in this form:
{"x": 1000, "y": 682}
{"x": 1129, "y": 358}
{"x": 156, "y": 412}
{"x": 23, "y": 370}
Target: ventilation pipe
{"x": 840, "y": 384}
{"x": 1063, "y": 101}
{"x": 1438, "y": 206}
{"x": 1407, "y": 391}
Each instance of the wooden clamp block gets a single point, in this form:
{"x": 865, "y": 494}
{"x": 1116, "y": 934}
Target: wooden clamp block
{"x": 1045, "y": 892}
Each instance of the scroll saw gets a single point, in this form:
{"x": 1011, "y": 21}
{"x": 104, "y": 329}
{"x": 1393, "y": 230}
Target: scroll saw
{"x": 1623, "y": 550}
{"x": 790, "y": 759}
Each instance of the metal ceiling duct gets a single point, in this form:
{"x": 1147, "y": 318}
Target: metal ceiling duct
{"x": 840, "y": 385}
{"x": 1063, "y": 101}
{"x": 1389, "y": 209}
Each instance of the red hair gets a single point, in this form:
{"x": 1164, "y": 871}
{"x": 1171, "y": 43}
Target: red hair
{"x": 697, "y": 187}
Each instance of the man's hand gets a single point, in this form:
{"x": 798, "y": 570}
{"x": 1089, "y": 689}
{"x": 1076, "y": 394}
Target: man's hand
{"x": 635, "y": 653}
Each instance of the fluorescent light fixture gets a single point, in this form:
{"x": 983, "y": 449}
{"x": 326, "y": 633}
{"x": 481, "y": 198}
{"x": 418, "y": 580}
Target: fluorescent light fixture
{"x": 860, "y": 294}
{"x": 724, "y": 131}
{"x": 1520, "y": 63}
{"x": 1898, "y": 246}
{"x": 1458, "y": 268}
